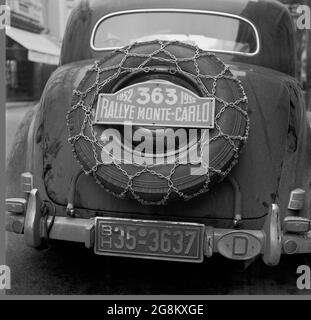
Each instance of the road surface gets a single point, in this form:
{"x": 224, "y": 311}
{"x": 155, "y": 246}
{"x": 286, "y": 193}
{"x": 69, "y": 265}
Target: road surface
{"x": 73, "y": 269}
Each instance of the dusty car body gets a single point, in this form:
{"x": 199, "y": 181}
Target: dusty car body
{"x": 263, "y": 206}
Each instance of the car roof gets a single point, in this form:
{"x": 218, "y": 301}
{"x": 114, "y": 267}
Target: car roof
{"x": 228, "y": 6}
{"x": 271, "y": 18}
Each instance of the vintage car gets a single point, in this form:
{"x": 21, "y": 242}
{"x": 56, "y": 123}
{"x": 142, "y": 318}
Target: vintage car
{"x": 171, "y": 130}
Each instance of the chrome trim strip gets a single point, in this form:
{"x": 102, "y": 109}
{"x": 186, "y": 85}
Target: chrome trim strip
{"x": 217, "y": 13}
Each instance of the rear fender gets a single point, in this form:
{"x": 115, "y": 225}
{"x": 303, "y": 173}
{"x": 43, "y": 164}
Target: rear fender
{"x": 20, "y": 158}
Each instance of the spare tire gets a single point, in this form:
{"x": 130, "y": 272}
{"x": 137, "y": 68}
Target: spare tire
{"x": 179, "y": 63}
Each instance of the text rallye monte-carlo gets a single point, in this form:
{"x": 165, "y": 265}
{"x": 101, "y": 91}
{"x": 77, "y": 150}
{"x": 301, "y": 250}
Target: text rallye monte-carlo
{"x": 171, "y": 130}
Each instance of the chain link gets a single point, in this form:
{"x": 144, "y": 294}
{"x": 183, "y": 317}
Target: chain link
{"x": 239, "y": 105}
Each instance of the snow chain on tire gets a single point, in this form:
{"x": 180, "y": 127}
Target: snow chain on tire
{"x": 160, "y": 54}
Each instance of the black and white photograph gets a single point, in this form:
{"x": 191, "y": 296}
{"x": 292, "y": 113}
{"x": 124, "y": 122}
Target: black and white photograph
{"x": 156, "y": 148}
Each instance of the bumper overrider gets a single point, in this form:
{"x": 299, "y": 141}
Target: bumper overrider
{"x": 236, "y": 244}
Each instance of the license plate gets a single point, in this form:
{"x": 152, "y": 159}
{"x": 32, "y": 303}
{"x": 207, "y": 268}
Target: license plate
{"x": 162, "y": 240}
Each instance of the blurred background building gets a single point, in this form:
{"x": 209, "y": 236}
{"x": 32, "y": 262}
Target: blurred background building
{"x": 33, "y": 45}
{"x": 303, "y": 48}
{"x": 34, "y": 41}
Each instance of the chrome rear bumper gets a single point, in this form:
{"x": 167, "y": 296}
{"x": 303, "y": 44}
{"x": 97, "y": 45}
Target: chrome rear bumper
{"x": 236, "y": 244}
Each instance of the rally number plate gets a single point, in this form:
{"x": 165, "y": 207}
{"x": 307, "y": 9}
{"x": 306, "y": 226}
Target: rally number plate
{"x": 147, "y": 239}
{"x": 155, "y": 103}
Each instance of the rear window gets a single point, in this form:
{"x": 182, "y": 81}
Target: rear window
{"x": 212, "y": 31}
